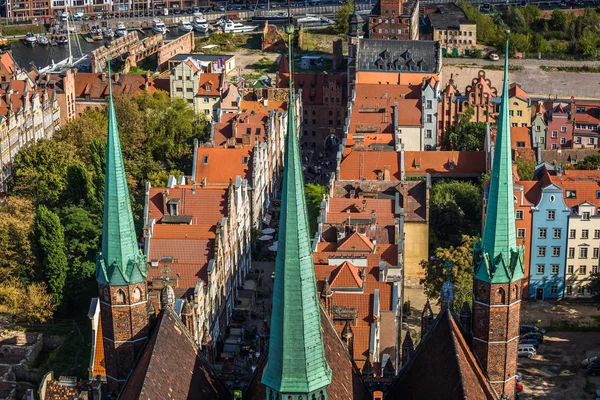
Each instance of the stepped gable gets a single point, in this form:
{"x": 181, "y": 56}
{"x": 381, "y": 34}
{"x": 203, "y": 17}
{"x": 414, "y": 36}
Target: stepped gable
{"x": 456, "y": 374}
{"x": 171, "y": 365}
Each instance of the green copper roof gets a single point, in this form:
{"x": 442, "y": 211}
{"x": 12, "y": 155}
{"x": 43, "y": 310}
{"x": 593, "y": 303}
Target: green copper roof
{"x": 296, "y": 364}
{"x": 121, "y": 261}
{"x": 497, "y": 258}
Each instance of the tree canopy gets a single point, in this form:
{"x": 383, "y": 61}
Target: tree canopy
{"x": 461, "y": 257}
{"x": 589, "y": 162}
{"x": 314, "y": 195}
{"x": 341, "y": 18}
{"x": 464, "y": 135}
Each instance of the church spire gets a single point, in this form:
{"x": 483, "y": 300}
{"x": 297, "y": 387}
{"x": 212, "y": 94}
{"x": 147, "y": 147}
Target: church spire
{"x": 121, "y": 261}
{"x": 496, "y": 257}
{"x": 296, "y": 365}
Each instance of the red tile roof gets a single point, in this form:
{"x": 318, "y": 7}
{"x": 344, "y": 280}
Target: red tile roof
{"x": 206, "y": 206}
{"x": 224, "y": 164}
{"x": 516, "y": 91}
{"x": 356, "y": 242}
{"x": 96, "y": 85}
{"x": 346, "y": 276}
{"x": 439, "y": 162}
{"x": 360, "y": 165}
{"x": 210, "y": 84}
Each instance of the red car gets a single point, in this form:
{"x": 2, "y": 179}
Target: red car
{"x": 519, "y": 387}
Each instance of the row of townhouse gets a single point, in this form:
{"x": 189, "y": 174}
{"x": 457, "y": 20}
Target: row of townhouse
{"x": 558, "y": 222}
{"x": 28, "y": 113}
{"x": 28, "y": 9}
{"x": 559, "y": 125}
{"x": 198, "y": 229}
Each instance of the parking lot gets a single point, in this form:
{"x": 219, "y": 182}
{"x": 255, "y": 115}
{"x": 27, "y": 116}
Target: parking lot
{"x": 556, "y": 373}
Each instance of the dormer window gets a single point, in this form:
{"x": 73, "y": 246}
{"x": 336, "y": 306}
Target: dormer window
{"x": 245, "y": 160}
{"x": 571, "y": 194}
{"x": 208, "y": 87}
{"x": 173, "y": 205}
{"x": 205, "y": 159}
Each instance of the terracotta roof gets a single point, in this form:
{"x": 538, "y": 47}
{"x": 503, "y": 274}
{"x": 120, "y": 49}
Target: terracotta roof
{"x": 99, "y": 367}
{"x": 516, "y": 91}
{"x": 520, "y": 134}
{"x": 96, "y": 85}
{"x": 184, "y": 231}
{"x": 356, "y": 242}
{"x": 581, "y": 175}
{"x": 170, "y": 349}
{"x": 346, "y": 276}
{"x": 206, "y": 206}
{"x": 388, "y": 253}
{"x": 456, "y": 375}
{"x": 346, "y": 382}
{"x": 224, "y": 164}
{"x": 259, "y": 107}
{"x": 360, "y": 165}
{"x": 566, "y": 156}
{"x": 212, "y": 81}
{"x": 439, "y": 162}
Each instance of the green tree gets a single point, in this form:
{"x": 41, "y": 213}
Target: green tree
{"x": 50, "y": 251}
{"x": 79, "y": 132}
{"x": 525, "y": 169}
{"x": 97, "y": 162}
{"x": 16, "y": 222}
{"x": 531, "y": 13}
{"x": 587, "y": 44}
{"x": 518, "y": 42}
{"x": 487, "y": 30}
{"x": 314, "y": 195}
{"x": 590, "y": 162}
{"x": 80, "y": 189}
{"x": 161, "y": 178}
{"x": 341, "y": 18}
{"x": 539, "y": 44}
{"x": 514, "y": 20}
{"x": 82, "y": 232}
{"x": 455, "y": 209}
{"x": 465, "y": 135}
{"x": 558, "y": 21}
{"x": 594, "y": 287}
{"x": 461, "y": 257}
{"x": 27, "y": 303}
{"x": 40, "y": 172}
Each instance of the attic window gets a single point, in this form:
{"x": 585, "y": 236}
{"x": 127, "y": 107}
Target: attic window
{"x": 205, "y": 159}
{"x": 167, "y": 259}
{"x": 208, "y": 87}
{"x": 154, "y": 263}
{"x": 571, "y": 194}
{"x": 245, "y": 160}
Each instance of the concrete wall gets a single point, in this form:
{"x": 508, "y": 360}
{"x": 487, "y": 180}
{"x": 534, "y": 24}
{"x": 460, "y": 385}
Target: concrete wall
{"x": 181, "y": 45}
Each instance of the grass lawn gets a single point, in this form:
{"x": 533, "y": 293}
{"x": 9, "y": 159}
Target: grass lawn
{"x": 16, "y": 30}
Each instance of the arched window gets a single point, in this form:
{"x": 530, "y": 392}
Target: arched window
{"x": 137, "y": 295}
{"x": 515, "y": 293}
{"x": 120, "y": 297}
{"x": 106, "y": 294}
{"x": 500, "y": 296}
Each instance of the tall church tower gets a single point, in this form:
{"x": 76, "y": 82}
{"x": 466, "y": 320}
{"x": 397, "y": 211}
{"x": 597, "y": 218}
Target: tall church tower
{"x": 296, "y": 366}
{"x": 120, "y": 268}
{"x": 498, "y": 268}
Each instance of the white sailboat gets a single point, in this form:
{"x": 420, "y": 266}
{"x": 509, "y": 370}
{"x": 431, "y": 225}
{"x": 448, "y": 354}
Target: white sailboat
{"x": 68, "y": 62}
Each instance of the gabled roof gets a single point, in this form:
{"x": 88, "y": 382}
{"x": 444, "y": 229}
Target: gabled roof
{"x": 214, "y": 81}
{"x": 223, "y": 164}
{"x": 516, "y": 91}
{"x": 171, "y": 365}
{"x": 444, "y": 162}
{"x": 455, "y": 373}
{"x": 345, "y": 276}
{"x": 369, "y": 164}
{"x": 356, "y": 243}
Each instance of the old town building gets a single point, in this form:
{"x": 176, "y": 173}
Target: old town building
{"x": 451, "y": 27}
{"x": 586, "y": 121}
{"x": 394, "y": 19}
{"x": 520, "y": 107}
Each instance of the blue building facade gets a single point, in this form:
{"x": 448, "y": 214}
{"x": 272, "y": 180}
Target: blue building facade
{"x": 549, "y": 245}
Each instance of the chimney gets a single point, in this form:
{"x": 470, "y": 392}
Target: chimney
{"x": 386, "y": 172}
{"x": 103, "y": 77}
{"x": 234, "y": 127}
{"x": 165, "y": 199}
{"x": 148, "y": 77}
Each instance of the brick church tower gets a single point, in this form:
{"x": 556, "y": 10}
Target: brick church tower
{"x": 498, "y": 268}
{"x": 120, "y": 269}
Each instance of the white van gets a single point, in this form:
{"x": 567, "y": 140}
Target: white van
{"x": 527, "y": 350}
{"x": 165, "y": 11}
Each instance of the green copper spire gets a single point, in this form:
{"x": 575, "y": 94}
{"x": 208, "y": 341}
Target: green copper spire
{"x": 497, "y": 258}
{"x": 121, "y": 261}
{"x": 296, "y": 364}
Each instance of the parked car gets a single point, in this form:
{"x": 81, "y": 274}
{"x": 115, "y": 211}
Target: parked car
{"x": 519, "y": 376}
{"x": 494, "y": 57}
{"x": 531, "y": 328}
{"x": 519, "y": 387}
{"x": 590, "y": 360}
{"x": 533, "y": 335}
{"x": 594, "y": 369}
{"x": 526, "y": 351}
{"x": 531, "y": 342}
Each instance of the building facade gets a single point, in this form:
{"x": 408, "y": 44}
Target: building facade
{"x": 539, "y": 128}
{"x": 202, "y": 90}
{"x": 548, "y": 245}
{"x": 451, "y": 27}
{"x": 394, "y": 19}
{"x": 520, "y": 107}
{"x": 430, "y": 91}
{"x": 560, "y": 127}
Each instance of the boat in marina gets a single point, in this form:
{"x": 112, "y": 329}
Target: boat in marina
{"x": 4, "y": 43}
{"x": 159, "y": 27}
{"x": 42, "y": 40}
{"x": 121, "y": 29}
{"x": 235, "y": 27}
{"x": 29, "y": 38}
{"x": 63, "y": 36}
{"x": 200, "y": 24}
{"x": 185, "y": 26}
{"x": 271, "y": 16}
{"x": 96, "y": 32}
{"x": 108, "y": 33}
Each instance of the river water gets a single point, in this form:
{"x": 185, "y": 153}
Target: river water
{"x": 42, "y": 56}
